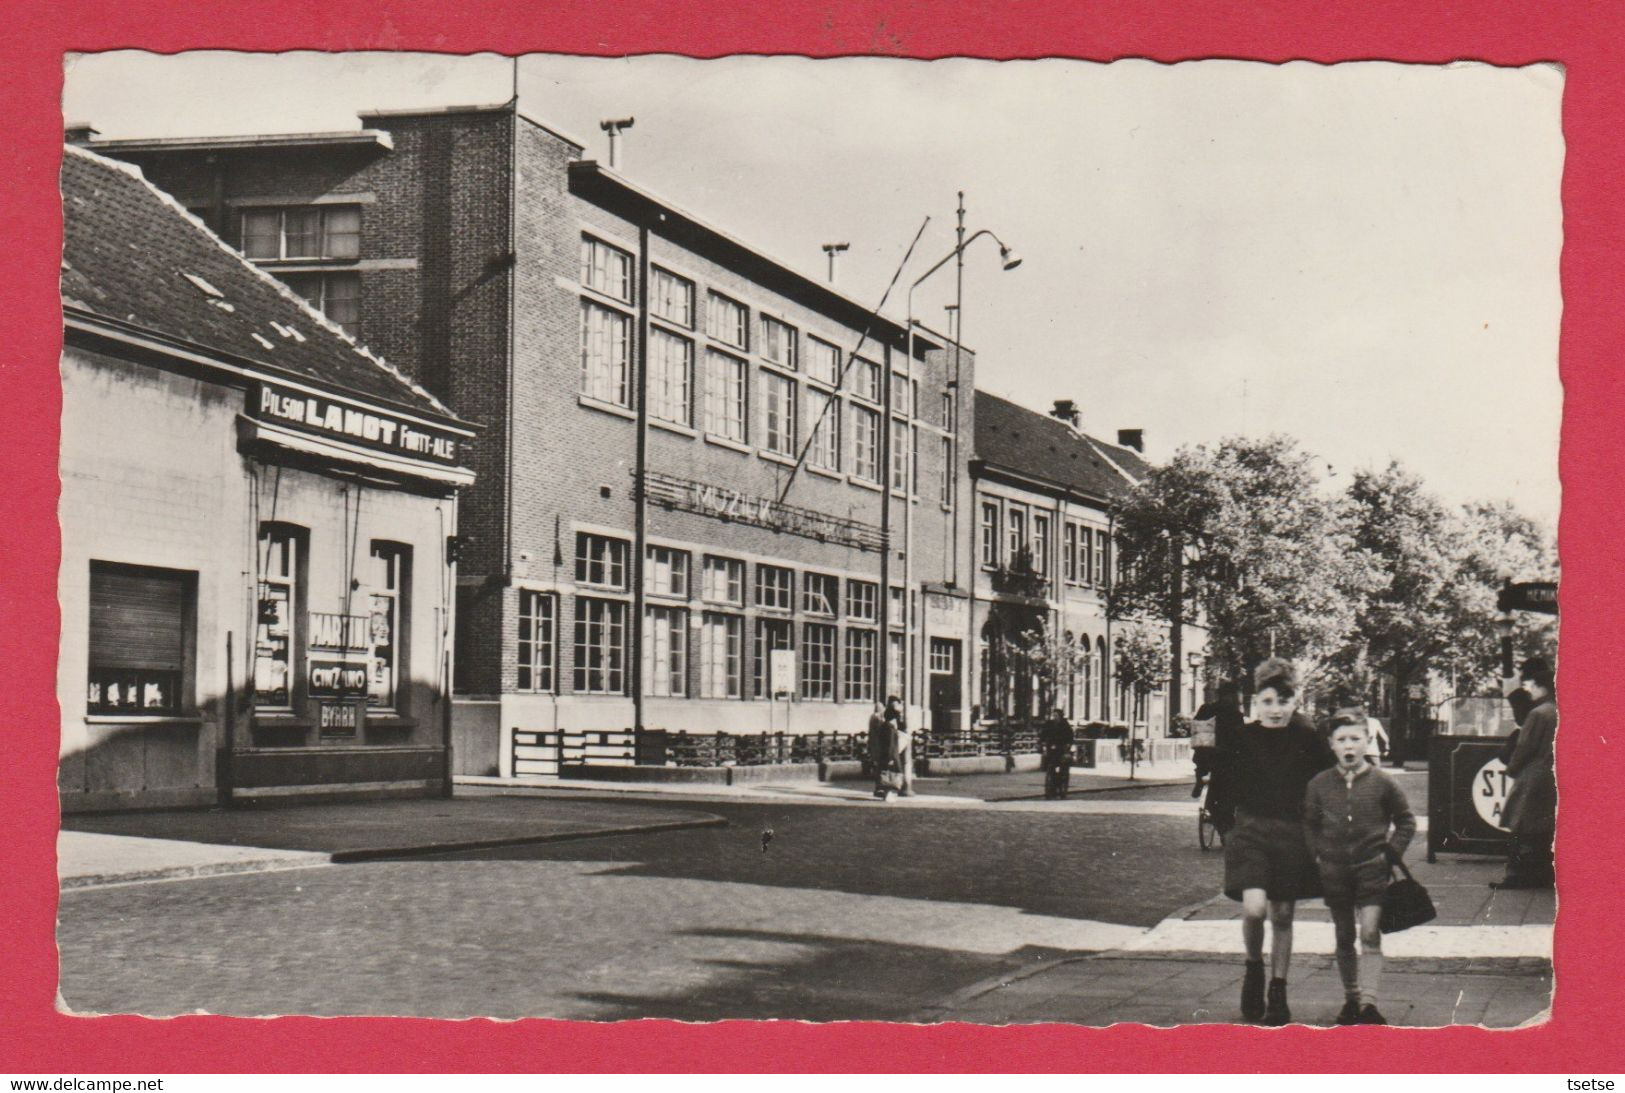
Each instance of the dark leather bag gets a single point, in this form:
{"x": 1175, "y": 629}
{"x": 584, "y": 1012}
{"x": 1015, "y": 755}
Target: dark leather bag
{"x": 1405, "y": 904}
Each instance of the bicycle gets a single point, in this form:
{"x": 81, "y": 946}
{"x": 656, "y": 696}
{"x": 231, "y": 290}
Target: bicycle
{"x": 1207, "y": 828}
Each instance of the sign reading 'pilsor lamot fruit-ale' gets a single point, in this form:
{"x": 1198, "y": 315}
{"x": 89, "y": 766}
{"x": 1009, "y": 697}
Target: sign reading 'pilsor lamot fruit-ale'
{"x": 351, "y": 423}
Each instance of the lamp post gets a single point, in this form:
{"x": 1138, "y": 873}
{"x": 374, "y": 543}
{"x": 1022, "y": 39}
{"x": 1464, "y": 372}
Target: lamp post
{"x": 1008, "y": 260}
{"x": 1504, "y": 624}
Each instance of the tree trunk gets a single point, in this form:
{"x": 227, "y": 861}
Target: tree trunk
{"x": 1399, "y": 731}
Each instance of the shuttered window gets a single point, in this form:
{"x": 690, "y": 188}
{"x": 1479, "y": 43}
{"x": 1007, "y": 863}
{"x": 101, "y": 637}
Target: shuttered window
{"x": 139, "y": 619}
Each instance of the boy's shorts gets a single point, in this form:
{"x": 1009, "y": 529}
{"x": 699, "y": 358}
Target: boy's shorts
{"x": 1361, "y": 884}
{"x": 1262, "y": 852}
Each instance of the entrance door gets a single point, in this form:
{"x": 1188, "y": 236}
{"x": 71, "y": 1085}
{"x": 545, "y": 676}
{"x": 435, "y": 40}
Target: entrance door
{"x": 945, "y": 685}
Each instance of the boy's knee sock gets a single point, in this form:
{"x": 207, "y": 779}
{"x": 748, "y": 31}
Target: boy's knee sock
{"x": 1348, "y": 969}
{"x": 1370, "y": 973}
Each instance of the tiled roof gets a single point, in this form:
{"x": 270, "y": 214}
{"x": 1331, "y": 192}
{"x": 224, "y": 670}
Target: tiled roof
{"x": 132, "y": 255}
{"x": 1038, "y": 446}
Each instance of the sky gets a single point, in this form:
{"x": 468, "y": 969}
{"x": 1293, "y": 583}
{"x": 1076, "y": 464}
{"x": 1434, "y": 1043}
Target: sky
{"x": 1363, "y": 256}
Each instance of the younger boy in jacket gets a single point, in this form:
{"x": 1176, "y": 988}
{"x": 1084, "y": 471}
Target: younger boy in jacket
{"x": 1357, "y": 821}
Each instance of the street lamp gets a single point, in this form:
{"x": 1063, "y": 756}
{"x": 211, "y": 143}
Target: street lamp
{"x": 1504, "y": 625}
{"x": 1008, "y": 260}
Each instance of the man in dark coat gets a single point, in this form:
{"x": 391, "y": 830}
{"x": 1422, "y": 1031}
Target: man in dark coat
{"x": 1530, "y": 812}
{"x": 882, "y": 751}
{"x": 1055, "y": 741}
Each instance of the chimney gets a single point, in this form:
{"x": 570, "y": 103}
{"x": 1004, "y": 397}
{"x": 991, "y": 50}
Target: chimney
{"x": 1066, "y": 410}
{"x": 1131, "y": 438}
{"x": 615, "y": 127}
{"x": 79, "y": 132}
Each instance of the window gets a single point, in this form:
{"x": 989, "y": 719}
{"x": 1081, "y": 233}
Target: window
{"x": 323, "y": 231}
{"x": 863, "y": 379}
{"x": 1100, "y": 558}
{"x": 946, "y": 496}
{"x": 724, "y": 580}
{"x": 779, "y": 413}
{"x": 1069, "y": 553}
{"x": 140, "y": 639}
{"x": 818, "y": 661}
{"x": 336, "y": 295}
{"x": 862, "y": 601}
{"x": 899, "y": 454}
{"x": 671, "y": 368}
{"x": 727, "y": 321}
{"x": 537, "y": 641}
{"x": 724, "y": 395}
{"x": 859, "y": 677}
{"x": 388, "y": 585}
{"x": 865, "y": 444}
{"x": 281, "y": 604}
{"x": 672, "y": 298}
{"x": 665, "y": 652}
{"x": 778, "y": 343}
{"x": 601, "y": 561}
{"x": 945, "y": 416}
{"x": 820, "y": 593}
{"x": 665, "y": 572}
{"x": 900, "y": 395}
{"x": 606, "y": 269}
{"x": 894, "y": 665}
{"x": 1018, "y": 534}
{"x": 990, "y": 533}
{"x": 605, "y": 354}
{"x": 1086, "y": 551}
{"x": 1040, "y": 543}
{"x": 775, "y": 587}
{"x": 914, "y": 459}
{"x": 771, "y": 634}
{"x": 895, "y": 612}
{"x": 722, "y": 647}
{"x": 823, "y": 362}
{"x": 600, "y": 647}
{"x": 824, "y": 419}
{"x": 943, "y": 655}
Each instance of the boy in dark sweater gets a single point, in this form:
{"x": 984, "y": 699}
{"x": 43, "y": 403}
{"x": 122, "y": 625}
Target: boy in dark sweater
{"x": 1357, "y": 821}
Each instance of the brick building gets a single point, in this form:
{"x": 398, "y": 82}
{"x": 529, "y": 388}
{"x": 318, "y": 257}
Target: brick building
{"x": 1044, "y": 559}
{"x": 598, "y": 332}
{"x": 256, "y": 599}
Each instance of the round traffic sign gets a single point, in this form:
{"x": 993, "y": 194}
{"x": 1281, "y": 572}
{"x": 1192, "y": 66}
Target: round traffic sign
{"x": 1490, "y": 787}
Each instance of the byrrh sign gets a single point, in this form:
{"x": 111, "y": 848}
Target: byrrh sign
{"x": 351, "y": 423}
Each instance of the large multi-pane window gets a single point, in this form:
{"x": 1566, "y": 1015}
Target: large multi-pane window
{"x": 862, "y": 601}
{"x": 823, "y": 362}
{"x": 665, "y": 571}
{"x": 724, "y": 580}
{"x": 600, "y": 647}
{"x": 1100, "y": 558}
{"x": 538, "y": 639}
{"x": 1069, "y": 553}
{"x": 863, "y": 379}
{"x": 605, "y": 354}
{"x": 820, "y": 593}
{"x": 336, "y": 295}
{"x": 727, "y": 321}
{"x": 322, "y": 231}
{"x": 281, "y": 598}
{"x": 901, "y": 395}
{"x": 818, "y": 660}
{"x": 1040, "y": 543}
{"x": 601, "y": 561}
{"x": 141, "y": 634}
{"x": 778, "y": 413}
{"x": 1017, "y": 525}
{"x": 824, "y": 419}
{"x": 724, "y": 395}
{"x": 671, "y": 370}
{"x": 778, "y": 343}
{"x": 606, "y": 269}
{"x": 388, "y": 587}
{"x": 771, "y": 634}
{"x": 899, "y": 454}
{"x": 665, "y": 652}
{"x": 1086, "y": 552}
{"x": 722, "y": 649}
{"x": 990, "y": 533}
{"x": 859, "y": 677}
{"x": 775, "y": 587}
{"x": 865, "y": 444}
{"x": 672, "y": 297}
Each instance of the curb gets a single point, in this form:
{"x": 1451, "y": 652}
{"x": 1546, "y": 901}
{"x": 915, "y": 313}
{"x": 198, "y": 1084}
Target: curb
{"x": 312, "y": 860}
{"x": 342, "y": 857}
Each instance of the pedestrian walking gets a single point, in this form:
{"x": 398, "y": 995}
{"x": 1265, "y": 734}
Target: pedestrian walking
{"x": 882, "y": 751}
{"x": 1055, "y": 741}
{"x": 1264, "y": 772}
{"x": 1530, "y": 812}
{"x": 1358, "y": 823}
{"x": 902, "y": 746}
{"x": 1376, "y": 737}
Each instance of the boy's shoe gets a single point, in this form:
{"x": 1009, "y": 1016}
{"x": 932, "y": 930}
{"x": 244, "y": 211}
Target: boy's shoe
{"x": 1252, "y": 991}
{"x": 1350, "y": 1013}
{"x": 1275, "y": 1011}
{"x": 1370, "y": 1016}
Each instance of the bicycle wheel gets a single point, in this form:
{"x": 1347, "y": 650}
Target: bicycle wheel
{"x": 1206, "y": 833}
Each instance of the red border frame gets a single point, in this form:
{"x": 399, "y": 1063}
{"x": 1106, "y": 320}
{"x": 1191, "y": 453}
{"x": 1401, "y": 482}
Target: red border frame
{"x": 1585, "y": 37}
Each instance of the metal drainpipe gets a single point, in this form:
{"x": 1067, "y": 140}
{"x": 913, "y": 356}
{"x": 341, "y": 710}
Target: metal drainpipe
{"x": 640, "y": 531}
{"x": 883, "y": 681}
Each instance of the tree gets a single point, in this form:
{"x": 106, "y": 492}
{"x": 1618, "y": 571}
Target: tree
{"x": 1140, "y": 659}
{"x": 1052, "y": 656}
{"x": 1501, "y": 541}
{"x": 1268, "y": 563}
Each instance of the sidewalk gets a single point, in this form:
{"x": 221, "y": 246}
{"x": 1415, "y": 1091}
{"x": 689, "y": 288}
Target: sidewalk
{"x": 1486, "y": 960}
{"x": 95, "y": 850}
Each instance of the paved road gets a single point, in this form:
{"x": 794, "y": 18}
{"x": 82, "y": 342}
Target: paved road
{"x": 851, "y": 912}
